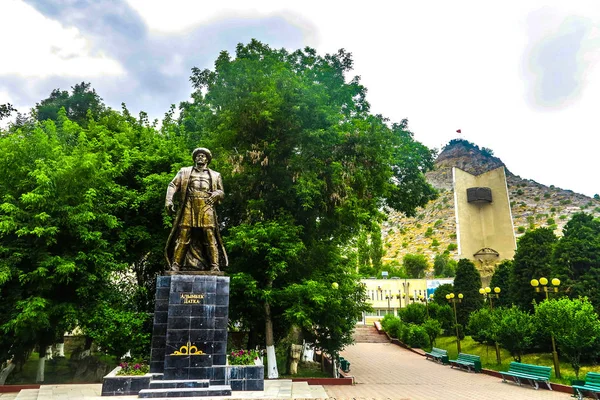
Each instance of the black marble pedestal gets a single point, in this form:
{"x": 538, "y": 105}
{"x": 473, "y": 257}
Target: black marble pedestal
{"x": 189, "y": 338}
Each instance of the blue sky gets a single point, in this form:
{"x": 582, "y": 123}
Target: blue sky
{"x": 522, "y": 79}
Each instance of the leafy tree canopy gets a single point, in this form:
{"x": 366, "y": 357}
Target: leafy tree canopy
{"x": 415, "y": 265}
{"x": 468, "y": 282}
{"x": 300, "y": 154}
{"x": 532, "y": 260}
{"x": 574, "y": 325}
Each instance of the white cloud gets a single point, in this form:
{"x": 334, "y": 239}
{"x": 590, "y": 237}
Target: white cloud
{"x": 180, "y": 16}
{"x": 443, "y": 65}
{"x": 36, "y": 46}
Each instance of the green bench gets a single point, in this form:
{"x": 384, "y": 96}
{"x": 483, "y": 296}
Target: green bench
{"x": 439, "y": 355}
{"x": 344, "y": 364}
{"x": 532, "y": 373}
{"x": 467, "y": 361}
{"x": 591, "y": 386}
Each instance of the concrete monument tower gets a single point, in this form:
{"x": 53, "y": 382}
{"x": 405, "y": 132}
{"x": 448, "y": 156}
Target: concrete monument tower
{"x": 484, "y": 225}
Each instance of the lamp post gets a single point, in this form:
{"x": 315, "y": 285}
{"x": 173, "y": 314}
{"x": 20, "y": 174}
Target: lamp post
{"x": 487, "y": 294}
{"x": 388, "y": 298}
{"x": 426, "y": 300}
{"x": 452, "y": 299}
{"x": 555, "y": 284}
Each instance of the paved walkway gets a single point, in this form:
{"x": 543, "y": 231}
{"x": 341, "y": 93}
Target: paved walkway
{"x": 381, "y": 371}
{"x": 386, "y": 371}
{"x": 278, "y": 389}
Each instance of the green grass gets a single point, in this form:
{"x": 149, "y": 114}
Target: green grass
{"x": 307, "y": 370}
{"x": 488, "y": 358}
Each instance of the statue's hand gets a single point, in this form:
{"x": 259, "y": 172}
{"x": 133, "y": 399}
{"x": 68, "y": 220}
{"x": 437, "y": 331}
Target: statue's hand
{"x": 170, "y": 208}
{"x": 212, "y": 199}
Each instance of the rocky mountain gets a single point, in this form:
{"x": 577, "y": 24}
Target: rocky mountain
{"x": 433, "y": 229}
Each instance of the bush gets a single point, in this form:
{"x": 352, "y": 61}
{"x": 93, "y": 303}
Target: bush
{"x": 521, "y": 229}
{"x": 417, "y": 337}
{"x": 482, "y": 326}
{"x": 415, "y": 313}
{"x": 392, "y": 325}
{"x": 452, "y": 246}
{"x": 444, "y": 315}
{"x": 515, "y": 331}
{"x": 433, "y": 327}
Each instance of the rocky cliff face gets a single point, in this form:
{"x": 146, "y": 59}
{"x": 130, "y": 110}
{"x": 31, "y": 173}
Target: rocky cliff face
{"x": 433, "y": 229}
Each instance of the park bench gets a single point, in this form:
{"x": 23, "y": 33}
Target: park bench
{"x": 467, "y": 361}
{"x": 532, "y": 373}
{"x": 344, "y": 364}
{"x": 591, "y": 386}
{"x": 439, "y": 355}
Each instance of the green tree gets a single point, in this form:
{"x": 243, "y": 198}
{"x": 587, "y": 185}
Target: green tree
{"x": 82, "y": 99}
{"x": 440, "y": 263}
{"x": 450, "y": 270}
{"x": 443, "y": 314}
{"x": 439, "y": 295}
{"x": 516, "y": 330}
{"x": 483, "y": 326}
{"x": 376, "y": 252}
{"x": 301, "y": 157}
{"x": 414, "y": 313}
{"x": 81, "y": 208}
{"x": 501, "y": 279}
{"x": 6, "y": 110}
{"x": 415, "y": 265}
{"x": 576, "y": 259}
{"x": 468, "y": 282}
{"x": 532, "y": 260}
{"x": 433, "y": 327}
{"x": 574, "y": 324}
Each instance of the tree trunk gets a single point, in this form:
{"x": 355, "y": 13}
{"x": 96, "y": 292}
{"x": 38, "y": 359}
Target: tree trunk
{"x": 272, "y": 372}
{"x": 6, "y": 371}
{"x": 40, "y": 371}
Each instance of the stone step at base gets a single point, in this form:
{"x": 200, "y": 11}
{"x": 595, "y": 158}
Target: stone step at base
{"x": 179, "y": 383}
{"x": 28, "y": 394}
{"x": 217, "y": 390}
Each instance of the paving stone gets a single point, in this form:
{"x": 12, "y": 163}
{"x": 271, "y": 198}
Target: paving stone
{"x": 386, "y": 371}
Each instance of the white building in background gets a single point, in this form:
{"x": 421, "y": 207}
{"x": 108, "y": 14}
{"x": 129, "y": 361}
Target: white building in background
{"x": 388, "y": 296}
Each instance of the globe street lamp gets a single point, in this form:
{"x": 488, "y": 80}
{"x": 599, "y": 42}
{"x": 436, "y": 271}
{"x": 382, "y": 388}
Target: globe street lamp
{"x": 487, "y": 294}
{"x": 452, "y": 299}
{"x": 555, "y": 284}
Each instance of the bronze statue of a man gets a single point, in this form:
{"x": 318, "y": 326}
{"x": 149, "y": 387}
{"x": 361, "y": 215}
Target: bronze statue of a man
{"x": 197, "y": 242}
